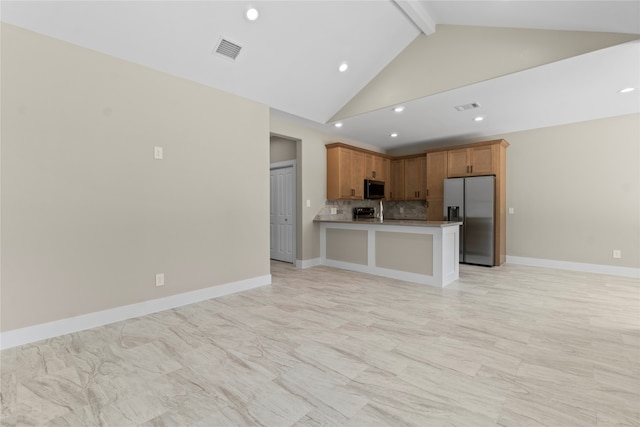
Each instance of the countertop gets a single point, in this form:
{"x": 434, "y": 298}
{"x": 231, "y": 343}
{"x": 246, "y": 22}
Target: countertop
{"x": 403, "y": 222}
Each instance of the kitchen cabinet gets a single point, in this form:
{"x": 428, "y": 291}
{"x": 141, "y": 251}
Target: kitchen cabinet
{"x": 436, "y": 174}
{"x": 421, "y": 177}
{"x": 415, "y": 178}
{"x": 471, "y": 161}
{"x": 376, "y": 167}
{"x": 435, "y": 210}
{"x": 345, "y": 174}
{"x": 396, "y": 190}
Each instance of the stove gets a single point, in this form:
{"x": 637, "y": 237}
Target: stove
{"x": 364, "y": 213}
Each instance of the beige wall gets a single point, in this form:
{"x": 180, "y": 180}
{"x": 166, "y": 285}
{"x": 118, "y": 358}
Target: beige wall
{"x": 576, "y": 192}
{"x": 88, "y": 216}
{"x": 281, "y": 149}
{"x": 574, "y": 189}
{"x": 312, "y": 183}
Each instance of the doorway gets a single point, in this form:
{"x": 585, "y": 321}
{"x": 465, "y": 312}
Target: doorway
{"x": 282, "y": 211}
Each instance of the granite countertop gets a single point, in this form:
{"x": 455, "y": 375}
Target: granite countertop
{"x": 402, "y": 221}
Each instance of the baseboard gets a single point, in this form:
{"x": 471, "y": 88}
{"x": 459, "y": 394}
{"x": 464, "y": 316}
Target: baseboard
{"x": 56, "y": 328}
{"x": 307, "y": 263}
{"x": 576, "y": 266}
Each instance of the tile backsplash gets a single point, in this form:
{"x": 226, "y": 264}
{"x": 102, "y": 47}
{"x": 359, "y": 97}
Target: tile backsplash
{"x": 392, "y": 209}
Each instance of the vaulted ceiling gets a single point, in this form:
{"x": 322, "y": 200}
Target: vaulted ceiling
{"x": 527, "y": 64}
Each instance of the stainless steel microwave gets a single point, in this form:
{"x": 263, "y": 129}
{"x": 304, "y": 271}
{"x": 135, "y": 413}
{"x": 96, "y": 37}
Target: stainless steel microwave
{"x": 373, "y": 189}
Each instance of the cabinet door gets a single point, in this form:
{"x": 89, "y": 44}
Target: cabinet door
{"x": 435, "y": 209}
{"x": 457, "y": 163}
{"x": 436, "y": 174}
{"x": 344, "y": 174}
{"x": 397, "y": 180}
{"x": 357, "y": 175}
{"x": 481, "y": 160}
{"x": 415, "y": 178}
{"x": 374, "y": 167}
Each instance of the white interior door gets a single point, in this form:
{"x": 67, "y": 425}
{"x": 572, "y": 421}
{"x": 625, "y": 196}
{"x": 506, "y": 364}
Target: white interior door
{"x": 282, "y": 214}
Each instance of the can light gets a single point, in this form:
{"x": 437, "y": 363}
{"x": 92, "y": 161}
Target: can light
{"x": 338, "y": 125}
{"x": 478, "y": 119}
{"x": 343, "y": 67}
{"x": 251, "y": 14}
{"x": 394, "y": 135}
{"x": 627, "y": 90}
{"x": 399, "y": 109}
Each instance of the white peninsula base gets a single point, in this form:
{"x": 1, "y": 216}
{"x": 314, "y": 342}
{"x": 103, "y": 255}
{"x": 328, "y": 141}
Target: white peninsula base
{"x": 425, "y": 252}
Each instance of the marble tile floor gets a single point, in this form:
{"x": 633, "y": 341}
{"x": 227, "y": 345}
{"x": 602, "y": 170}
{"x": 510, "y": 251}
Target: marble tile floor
{"x": 508, "y": 346}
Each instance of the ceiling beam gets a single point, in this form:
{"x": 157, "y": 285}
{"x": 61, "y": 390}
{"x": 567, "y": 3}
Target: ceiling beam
{"x": 418, "y": 13}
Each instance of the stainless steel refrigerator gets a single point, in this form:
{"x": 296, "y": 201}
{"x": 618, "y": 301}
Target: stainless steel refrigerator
{"x": 472, "y": 201}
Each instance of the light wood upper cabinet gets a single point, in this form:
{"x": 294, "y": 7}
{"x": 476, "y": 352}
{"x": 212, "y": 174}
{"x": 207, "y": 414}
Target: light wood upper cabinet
{"x": 436, "y": 174}
{"x": 472, "y": 161}
{"x": 345, "y": 174}
{"x": 415, "y": 178}
{"x": 396, "y": 191}
{"x": 376, "y": 167}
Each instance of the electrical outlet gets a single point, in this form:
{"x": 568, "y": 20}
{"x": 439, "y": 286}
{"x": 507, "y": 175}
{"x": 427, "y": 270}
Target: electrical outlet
{"x": 401, "y": 209}
{"x": 334, "y": 211}
{"x": 160, "y": 279}
{"x": 617, "y": 253}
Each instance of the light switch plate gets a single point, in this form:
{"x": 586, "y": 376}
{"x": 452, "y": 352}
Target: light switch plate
{"x": 160, "y": 279}
{"x": 334, "y": 211}
{"x": 511, "y": 210}
{"x": 308, "y": 203}
{"x": 158, "y": 153}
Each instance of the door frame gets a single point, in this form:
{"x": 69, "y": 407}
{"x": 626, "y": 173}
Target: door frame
{"x": 294, "y": 189}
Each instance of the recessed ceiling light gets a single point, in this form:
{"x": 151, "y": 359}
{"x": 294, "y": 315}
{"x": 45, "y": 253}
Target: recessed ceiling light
{"x": 627, "y": 90}
{"x": 251, "y": 14}
{"x": 478, "y": 119}
{"x": 338, "y": 125}
{"x": 399, "y": 109}
{"x": 343, "y": 67}
{"x": 394, "y": 135}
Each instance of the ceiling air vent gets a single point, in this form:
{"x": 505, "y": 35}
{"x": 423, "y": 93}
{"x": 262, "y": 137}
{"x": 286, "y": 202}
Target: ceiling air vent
{"x": 467, "y": 106}
{"x": 228, "y": 49}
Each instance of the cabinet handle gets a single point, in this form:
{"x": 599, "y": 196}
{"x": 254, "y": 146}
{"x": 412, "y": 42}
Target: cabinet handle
{"x": 353, "y": 192}
{"x": 471, "y": 169}
{"x": 427, "y": 192}
{"x": 373, "y": 174}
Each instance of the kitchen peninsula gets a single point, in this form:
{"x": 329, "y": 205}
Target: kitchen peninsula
{"x": 425, "y": 252}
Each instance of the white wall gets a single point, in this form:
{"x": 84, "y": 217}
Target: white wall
{"x": 88, "y": 216}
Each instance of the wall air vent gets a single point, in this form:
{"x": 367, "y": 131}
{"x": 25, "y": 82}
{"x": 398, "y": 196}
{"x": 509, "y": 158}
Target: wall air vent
{"x": 467, "y": 106}
{"x": 228, "y": 49}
